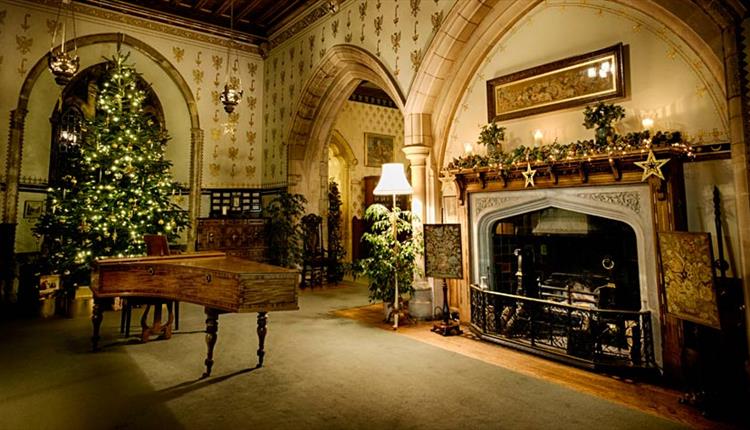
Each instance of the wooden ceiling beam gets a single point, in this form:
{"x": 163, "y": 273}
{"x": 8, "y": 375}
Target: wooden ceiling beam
{"x": 278, "y": 11}
{"x": 249, "y": 8}
{"x": 200, "y": 4}
{"x": 223, "y": 8}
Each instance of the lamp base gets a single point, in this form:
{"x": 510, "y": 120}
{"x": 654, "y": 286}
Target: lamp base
{"x": 450, "y": 328}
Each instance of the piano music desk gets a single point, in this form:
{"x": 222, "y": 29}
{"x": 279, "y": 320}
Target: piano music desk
{"x": 219, "y": 283}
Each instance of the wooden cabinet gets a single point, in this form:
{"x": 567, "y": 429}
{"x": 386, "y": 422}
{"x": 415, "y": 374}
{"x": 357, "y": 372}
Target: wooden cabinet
{"x": 243, "y": 238}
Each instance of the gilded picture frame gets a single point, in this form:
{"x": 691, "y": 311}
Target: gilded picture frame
{"x": 442, "y": 251}
{"x": 558, "y": 85}
{"x": 686, "y": 260}
{"x": 33, "y": 208}
{"x": 378, "y": 149}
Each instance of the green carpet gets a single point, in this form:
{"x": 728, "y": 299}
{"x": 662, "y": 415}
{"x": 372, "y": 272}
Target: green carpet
{"x": 321, "y": 372}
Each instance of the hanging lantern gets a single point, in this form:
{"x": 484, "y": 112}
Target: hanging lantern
{"x": 230, "y": 97}
{"x": 232, "y": 94}
{"x": 63, "y": 64}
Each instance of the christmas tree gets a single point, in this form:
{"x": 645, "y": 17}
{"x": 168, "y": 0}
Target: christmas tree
{"x": 116, "y": 186}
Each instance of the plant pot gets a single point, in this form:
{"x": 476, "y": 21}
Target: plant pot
{"x": 387, "y": 310}
{"x": 47, "y": 307}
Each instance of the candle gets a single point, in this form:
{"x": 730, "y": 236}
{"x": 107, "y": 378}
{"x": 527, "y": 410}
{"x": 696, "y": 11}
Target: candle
{"x": 468, "y": 148}
{"x": 538, "y": 137}
{"x": 647, "y": 123}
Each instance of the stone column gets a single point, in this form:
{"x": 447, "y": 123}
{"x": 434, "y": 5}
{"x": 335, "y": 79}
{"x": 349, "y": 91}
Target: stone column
{"x": 740, "y": 162}
{"x": 196, "y": 181}
{"x": 10, "y": 208}
{"x": 13, "y": 164}
{"x": 418, "y": 144}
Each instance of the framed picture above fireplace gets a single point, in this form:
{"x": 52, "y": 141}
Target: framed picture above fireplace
{"x": 573, "y": 81}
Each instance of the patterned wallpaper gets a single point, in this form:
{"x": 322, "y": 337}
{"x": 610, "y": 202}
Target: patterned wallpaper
{"x": 231, "y": 151}
{"x": 397, "y": 32}
{"x": 692, "y": 103}
{"x": 356, "y": 119}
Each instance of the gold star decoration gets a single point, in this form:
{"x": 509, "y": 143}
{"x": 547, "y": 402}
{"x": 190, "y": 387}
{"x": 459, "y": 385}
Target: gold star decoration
{"x": 528, "y": 175}
{"x": 651, "y": 166}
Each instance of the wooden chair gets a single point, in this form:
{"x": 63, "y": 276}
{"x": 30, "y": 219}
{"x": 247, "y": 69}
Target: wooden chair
{"x": 156, "y": 245}
{"x": 314, "y": 256}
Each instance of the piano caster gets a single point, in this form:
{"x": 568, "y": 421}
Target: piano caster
{"x": 209, "y": 364}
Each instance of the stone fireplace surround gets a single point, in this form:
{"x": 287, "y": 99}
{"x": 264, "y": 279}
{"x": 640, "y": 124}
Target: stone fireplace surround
{"x": 630, "y": 204}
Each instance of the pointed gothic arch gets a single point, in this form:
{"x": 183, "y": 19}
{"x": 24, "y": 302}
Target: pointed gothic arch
{"x": 335, "y": 78}
{"x": 473, "y": 27}
{"x": 18, "y": 117}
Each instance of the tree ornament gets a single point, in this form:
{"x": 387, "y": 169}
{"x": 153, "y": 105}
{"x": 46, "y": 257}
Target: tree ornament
{"x": 652, "y": 166}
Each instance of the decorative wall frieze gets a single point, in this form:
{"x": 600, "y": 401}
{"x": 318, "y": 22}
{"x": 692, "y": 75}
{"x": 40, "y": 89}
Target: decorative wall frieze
{"x": 627, "y": 199}
{"x": 168, "y": 24}
{"x": 483, "y": 203}
{"x": 311, "y": 18}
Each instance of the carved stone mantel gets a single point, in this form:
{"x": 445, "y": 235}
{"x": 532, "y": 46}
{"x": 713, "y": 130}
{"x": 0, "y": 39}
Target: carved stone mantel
{"x": 602, "y": 187}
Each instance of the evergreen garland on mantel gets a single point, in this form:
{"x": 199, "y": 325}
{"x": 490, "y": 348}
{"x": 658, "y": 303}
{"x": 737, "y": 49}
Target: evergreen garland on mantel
{"x": 614, "y": 146}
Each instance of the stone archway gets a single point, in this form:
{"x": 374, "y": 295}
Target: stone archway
{"x": 341, "y": 70}
{"x": 340, "y": 150}
{"x": 471, "y": 30}
{"x": 18, "y": 117}
{"x": 473, "y": 27}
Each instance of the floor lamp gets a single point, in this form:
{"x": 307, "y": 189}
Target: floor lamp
{"x": 393, "y": 182}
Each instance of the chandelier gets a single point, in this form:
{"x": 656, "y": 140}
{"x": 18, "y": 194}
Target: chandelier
{"x": 61, "y": 63}
{"x": 232, "y": 93}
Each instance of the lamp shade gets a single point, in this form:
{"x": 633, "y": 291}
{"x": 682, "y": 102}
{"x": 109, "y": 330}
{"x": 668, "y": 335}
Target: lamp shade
{"x": 392, "y": 181}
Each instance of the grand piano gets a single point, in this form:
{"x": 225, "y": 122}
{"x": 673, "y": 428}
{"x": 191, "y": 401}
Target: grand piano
{"x": 218, "y": 282}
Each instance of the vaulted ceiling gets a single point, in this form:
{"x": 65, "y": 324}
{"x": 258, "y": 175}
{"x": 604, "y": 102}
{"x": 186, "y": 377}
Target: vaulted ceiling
{"x": 254, "y": 20}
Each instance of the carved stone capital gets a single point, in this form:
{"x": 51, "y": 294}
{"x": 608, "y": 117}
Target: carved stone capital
{"x": 416, "y": 154}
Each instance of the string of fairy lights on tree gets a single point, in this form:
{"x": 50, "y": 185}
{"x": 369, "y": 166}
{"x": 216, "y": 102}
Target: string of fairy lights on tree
{"x": 116, "y": 186}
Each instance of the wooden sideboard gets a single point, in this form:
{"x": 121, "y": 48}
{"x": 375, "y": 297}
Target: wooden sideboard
{"x": 240, "y": 237}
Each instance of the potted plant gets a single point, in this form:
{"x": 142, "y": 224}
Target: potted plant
{"x": 492, "y": 136}
{"x": 336, "y": 251}
{"x": 387, "y": 258}
{"x": 284, "y": 231}
{"x": 600, "y": 117}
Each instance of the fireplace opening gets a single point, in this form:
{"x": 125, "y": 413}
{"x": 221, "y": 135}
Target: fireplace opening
{"x": 568, "y": 257}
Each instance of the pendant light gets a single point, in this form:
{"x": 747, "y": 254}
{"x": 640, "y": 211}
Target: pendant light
{"x": 63, "y": 64}
{"x": 232, "y": 93}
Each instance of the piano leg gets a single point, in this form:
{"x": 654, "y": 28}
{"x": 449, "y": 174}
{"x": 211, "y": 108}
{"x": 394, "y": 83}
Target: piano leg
{"x": 96, "y": 320}
{"x": 262, "y": 320}
{"x": 212, "y": 327}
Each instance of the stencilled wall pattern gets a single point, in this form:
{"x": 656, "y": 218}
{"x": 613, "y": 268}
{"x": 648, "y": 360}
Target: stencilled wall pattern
{"x": 694, "y": 103}
{"x": 354, "y": 120}
{"x": 396, "y": 32}
{"x": 231, "y": 145}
